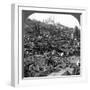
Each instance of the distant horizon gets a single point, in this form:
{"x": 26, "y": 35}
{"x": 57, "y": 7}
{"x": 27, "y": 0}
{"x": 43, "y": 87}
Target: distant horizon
{"x": 63, "y": 19}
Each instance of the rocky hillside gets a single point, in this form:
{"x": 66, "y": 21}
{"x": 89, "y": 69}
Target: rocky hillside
{"x": 50, "y": 48}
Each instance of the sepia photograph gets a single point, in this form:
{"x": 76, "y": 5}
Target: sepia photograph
{"x": 51, "y": 43}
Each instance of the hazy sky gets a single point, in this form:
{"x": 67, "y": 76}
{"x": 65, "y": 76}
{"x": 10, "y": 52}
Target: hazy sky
{"x": 64, "y": 19}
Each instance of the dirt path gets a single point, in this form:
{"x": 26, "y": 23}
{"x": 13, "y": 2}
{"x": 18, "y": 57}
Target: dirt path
{"x": 61, "y": 72}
